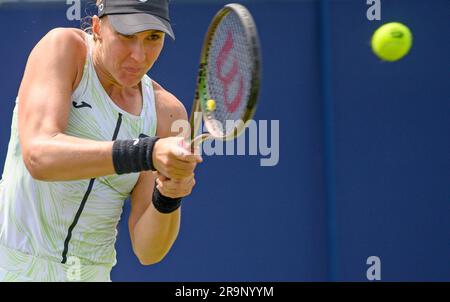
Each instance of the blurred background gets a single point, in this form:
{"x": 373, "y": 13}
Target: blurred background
{"x": 364, "y": 164}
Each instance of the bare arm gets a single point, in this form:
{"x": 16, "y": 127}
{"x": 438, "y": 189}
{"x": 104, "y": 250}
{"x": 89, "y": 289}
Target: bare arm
{"x": 44, "y": 107}
{"x": 152, "y": 233}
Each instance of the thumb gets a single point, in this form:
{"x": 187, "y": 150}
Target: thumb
{"x": 184, "y": 154}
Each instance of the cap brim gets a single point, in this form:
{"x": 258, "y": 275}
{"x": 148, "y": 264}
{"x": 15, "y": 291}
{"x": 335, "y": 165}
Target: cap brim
{"x": 129, "y": 24}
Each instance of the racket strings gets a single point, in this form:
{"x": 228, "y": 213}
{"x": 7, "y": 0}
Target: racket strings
{"x": 229, "y": 75}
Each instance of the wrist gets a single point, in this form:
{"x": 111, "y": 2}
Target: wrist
{"x": 154, "y": 155}
{"x": 164, "y": 204}
{"x": 131, "y": 156}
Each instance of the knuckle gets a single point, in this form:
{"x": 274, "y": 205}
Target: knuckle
{"x": 166, "y": 162}
{"x": 173, "y": 172}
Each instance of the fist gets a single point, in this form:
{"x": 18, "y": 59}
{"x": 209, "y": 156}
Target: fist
{"x": 173, "y": 160}
{"x": 175, "y": 188}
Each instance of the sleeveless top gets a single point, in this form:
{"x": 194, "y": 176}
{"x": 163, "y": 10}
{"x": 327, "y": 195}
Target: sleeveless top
{"x": 60, "y": 220}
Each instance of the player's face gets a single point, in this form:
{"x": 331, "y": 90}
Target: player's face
{"x": 128, "y": 58}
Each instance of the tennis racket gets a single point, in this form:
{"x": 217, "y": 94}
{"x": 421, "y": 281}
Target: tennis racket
{"x": 228, "y": 78}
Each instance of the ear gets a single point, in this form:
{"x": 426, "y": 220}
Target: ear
{"x": 96, "y": 28}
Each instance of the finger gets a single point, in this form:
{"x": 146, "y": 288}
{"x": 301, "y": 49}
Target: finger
{"x": 161, "y": 176}
{"x": 182, "y": 165}
{"x": 165, "y": 191}
{"x": 184, "y": 143}
{"x": 159, "y": 182}
{"x": 184, "y": 155}
{"x": 171, "y": 186}
{"x": 183, "y": 189}
{"x": 175, "y": 172}
{"x": 162, "y": 173}
{"x": 178, "y": 176}
{"x": 173, "y": 183}
{"x": 198, "y": 158}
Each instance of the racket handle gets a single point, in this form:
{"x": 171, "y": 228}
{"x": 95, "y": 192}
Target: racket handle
{"x": 199, "y": 139}
{"x": 194, "y": 143}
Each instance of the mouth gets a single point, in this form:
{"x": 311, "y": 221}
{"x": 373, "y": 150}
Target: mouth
{"x": 132, "y": 70}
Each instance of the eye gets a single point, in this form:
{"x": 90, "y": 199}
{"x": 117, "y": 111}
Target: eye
{"x": 128, "y": 37}
{"x": 154, "y": 37}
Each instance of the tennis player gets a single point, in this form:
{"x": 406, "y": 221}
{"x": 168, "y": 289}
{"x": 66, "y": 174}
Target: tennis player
{"x": 89, "y": 130}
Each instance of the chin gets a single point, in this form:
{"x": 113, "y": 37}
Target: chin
{"x": 130, "y": 81}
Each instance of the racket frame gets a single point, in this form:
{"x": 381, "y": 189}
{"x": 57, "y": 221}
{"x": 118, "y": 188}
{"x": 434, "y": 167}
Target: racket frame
{"x": 199, "y": 110}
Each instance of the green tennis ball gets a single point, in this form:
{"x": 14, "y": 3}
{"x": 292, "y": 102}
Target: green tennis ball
{"x": 211, "y": 105}
{"x": 392, "y": 41}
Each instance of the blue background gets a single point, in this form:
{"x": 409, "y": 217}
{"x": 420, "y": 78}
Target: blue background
{"x": 364, "y": 164}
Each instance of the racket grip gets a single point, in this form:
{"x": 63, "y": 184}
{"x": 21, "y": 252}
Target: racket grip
{"x": 192, "y": 145}
{"x": 197, "y": 141}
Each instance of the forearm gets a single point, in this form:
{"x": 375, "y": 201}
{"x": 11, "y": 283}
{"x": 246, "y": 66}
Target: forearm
{"x": 64, "y": 158}
{"x": 154, "y": 234}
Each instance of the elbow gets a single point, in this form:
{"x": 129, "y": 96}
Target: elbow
{"x": 152, "y": 256}
{"x": 35, "y": 165}
{"x": 153, "y": 251}
{"x": 150, "y": 260}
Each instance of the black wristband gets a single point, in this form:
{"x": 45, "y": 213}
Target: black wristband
{"x": 131, "y": 156}
{"x": 164, "y": 204}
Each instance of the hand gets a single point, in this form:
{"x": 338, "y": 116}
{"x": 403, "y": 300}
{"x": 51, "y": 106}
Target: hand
{"x": 173, "y": 160}
{"x": 175, "y": 188}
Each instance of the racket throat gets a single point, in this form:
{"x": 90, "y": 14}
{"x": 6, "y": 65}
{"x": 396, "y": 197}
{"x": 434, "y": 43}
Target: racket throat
{"x": 198, "y": 140}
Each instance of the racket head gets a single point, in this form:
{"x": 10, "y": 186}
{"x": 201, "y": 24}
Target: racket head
{"x": 229, "y": 74}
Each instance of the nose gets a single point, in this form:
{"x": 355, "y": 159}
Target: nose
{"x": 138, "y": 52}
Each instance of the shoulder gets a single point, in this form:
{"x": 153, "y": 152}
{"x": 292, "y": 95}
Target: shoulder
{"x": 56, "y": 62}
{"x": 69, "y": 34}
{"x": 71, "y": 41}
{"x": 168, "y": 109}
{"x": 64, "y": 46}
{"x": 167, "y": 103}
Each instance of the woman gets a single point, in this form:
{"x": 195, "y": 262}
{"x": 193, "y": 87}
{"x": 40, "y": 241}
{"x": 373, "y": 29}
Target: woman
{"x": 89, "y": 130}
